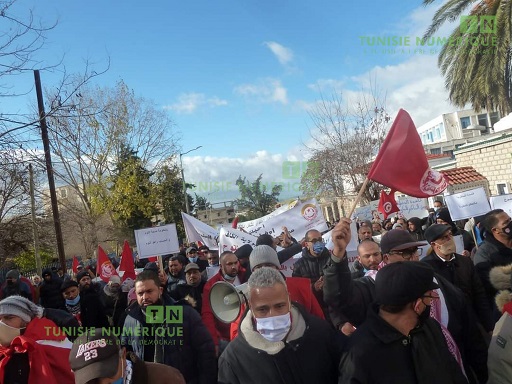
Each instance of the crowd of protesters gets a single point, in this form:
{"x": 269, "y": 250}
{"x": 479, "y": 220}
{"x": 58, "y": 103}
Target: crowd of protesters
{"x": 395, "y": 315}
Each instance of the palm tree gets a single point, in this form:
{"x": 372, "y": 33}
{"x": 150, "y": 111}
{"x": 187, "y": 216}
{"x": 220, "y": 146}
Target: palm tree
{"x": 475, "y": 62}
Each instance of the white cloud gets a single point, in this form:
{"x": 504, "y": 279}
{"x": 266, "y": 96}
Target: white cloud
{"x": 284, "y": 55}
{"x": 265, "y": 91}
{"x": 215, "y": 177}
{"x": 189, "y": 102}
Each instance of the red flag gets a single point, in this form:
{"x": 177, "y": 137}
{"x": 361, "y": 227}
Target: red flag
{"x": 75, "y": 265}
{"x": 401, "y": 163}
{"x": 104, "y": 267}
{"x": 234, "y": 224}
{"x": 127, "y": 264}
{"x": 152, "y": 258}
{"x": 387, "y": 203}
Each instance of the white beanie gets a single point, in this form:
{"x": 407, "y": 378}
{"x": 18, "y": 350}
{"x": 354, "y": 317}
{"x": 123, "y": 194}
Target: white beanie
{"x": 263, "y": 254}
{"x": 21, "y": 307}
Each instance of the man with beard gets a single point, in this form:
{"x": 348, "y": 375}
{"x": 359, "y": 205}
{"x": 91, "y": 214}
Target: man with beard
{"x": 399, "y": 327}
{"x": 187, "y": 346}
{"x": 114, "y": 300}
{"x": 230, "y": 272}
{"x": 176, "y": 274}
{"x": 84, "y": 306}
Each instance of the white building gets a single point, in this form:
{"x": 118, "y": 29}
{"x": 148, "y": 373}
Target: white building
{"x": 445, "y": 133}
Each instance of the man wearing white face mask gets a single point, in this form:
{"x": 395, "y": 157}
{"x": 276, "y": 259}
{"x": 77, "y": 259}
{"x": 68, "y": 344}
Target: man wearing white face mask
{"x": 96, "y": 358}
{"x": 458, "y": 270}
{"x": 278, "y": 341}
{"x": 33, "y": 348}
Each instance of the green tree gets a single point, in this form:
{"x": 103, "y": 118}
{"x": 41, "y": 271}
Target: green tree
{"x": 254, "y": 199}
{"x": 201, "y": 202}
{"x": 170, "y": 194}
{"x": 132, "y": 197}
{"x": 477, "y": 73}
{"x": 26, "y": 260}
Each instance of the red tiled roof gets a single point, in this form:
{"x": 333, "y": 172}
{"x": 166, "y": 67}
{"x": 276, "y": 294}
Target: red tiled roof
{"x": 462, "y": 175}
{"x": 431, "y": 156}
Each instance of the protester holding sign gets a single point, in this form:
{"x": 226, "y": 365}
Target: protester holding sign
{"x": 443, "y": 217}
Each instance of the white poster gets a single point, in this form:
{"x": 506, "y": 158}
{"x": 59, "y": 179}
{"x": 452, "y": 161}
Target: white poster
{"x": 157, "y": 241}
{"x": 196, "y": 230}
{"x": 413, "y": 207}
{"x": 467, "y": 204}
{"x": 249, "y": 225}
{"x": 503, "y": 202}
{"x": 368, "y": 212}
{"x": 299, "y": 219}
{"x": 231, "y": 239}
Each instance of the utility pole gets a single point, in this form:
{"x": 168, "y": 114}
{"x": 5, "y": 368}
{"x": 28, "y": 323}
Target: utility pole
{"x": 34, "y": 224}
{"x": 49, "y": 171}
{"x": 187, "y": 205}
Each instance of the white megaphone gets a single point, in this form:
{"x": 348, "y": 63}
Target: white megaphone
{"x": 226, "y": 300}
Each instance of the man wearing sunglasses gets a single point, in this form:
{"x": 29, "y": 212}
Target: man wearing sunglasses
{"x": 352, "y": 297}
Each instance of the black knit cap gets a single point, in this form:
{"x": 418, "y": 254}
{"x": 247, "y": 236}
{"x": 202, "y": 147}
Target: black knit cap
{"x": 403, "y": 282}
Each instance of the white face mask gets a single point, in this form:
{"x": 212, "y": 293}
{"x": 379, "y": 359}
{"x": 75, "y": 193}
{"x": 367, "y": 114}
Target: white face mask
{"x": 8, "y": 333}
{"x": 274, "y": 328}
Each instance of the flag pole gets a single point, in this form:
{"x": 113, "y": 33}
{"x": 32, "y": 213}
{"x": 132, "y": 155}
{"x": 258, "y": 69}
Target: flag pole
{"x": 363, "y": 187}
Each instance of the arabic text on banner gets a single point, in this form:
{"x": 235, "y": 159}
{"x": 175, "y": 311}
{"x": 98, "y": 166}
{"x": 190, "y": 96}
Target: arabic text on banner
{"x": 157, "y": 241}
{"x": 467, "y": 204}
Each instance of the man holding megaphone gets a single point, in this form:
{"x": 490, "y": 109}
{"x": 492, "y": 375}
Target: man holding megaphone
{"x": 278, "y": 341}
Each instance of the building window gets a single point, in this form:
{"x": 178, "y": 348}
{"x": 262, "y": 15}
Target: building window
{"x": 502, "y": 188}
{"x": 465, "y": 122}
{"x": 482, "y": 120}
{"x": 494, "y": 117}
{"x": 449, "y": 153}
{"x": 63, "y": 193}
{"x": 435, "y": 151}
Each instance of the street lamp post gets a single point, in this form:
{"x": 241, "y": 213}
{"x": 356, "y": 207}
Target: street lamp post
{"x": 187, "y": 206}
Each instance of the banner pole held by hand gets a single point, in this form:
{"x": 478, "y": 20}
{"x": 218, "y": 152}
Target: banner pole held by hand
{"x": 363, "y": 187}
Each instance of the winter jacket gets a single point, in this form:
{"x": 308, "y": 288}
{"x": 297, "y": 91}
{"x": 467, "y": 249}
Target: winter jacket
{"x": 491, "y": 253}
{"x": 20, "y": 288}
{"x": 500, "y": 348}
{"x": 422, "y": 357}
{"x": 461, "y": 272}
{"x": 218, "y": 329}
{"x": 193, "y": 295}
{"x": 173, "y": 281}
{"x": 113, "y": 304}
{"x": 310, "y": 354}
{"x": 193, "y": 354}
{"x": 49, "y": 292}
{"x": 353, "y": 298}
{"x": 92, "y": 313}
{"x": 312, "y": 267}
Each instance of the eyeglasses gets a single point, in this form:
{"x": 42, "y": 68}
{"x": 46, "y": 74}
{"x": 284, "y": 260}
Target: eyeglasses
{"x": 408, "y": 253}
{"x": 313, "y": 241}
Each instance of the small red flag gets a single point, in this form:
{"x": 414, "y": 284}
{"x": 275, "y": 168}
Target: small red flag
{"x": 75, "y": 265}
{"x": 387, "y": 203}
{"x": 127, "y": 264}
{"x": 234, "y": 224}
{"x": 104, "y": 267}
{"x": 401, "y": 163}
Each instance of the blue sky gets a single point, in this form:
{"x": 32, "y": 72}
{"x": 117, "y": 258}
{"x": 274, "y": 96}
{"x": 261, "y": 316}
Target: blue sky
{"x": 238, "y": 77}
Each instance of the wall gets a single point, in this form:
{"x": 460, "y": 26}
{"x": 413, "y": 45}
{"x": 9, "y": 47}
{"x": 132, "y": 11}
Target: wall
{"x": 492, "y": 159}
